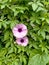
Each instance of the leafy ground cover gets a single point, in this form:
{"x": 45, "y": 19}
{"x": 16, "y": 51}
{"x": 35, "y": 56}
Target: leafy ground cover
{"x": 35, "y": 15}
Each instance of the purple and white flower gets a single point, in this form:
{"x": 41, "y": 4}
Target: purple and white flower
{"x": 22, "y": 41}
{"x": 20, "y": 30}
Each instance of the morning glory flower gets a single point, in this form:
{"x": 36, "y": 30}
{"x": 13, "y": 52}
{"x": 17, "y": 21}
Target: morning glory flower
{"x": 20, "y": 30}
{"x": 22, "y": 41}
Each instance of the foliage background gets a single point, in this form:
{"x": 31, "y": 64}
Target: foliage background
{"x": 35, "y": 15}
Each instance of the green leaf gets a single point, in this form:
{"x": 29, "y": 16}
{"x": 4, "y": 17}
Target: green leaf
{"x": 2, "y": 6}
{"x": 6, "y": 35}
{"x": 34, "y": 6}
{"x": 10, "y": 50}
{"x": 43, "y": 34}
{"x": 4, "y": 24}
{"x": 39, "y": 59}
{"x": 47, "y": 20}
{"x": 47, "y": 37}
{"x": 41, "y": 9}
{"x": 3, "y": 52}
{"x": 7, "y": 44}
{"x": 13, "y": 23}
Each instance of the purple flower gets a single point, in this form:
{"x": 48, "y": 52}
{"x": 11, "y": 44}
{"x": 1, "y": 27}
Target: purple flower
{"x": 22, "y": 41}
{"x": 20, "y": 30}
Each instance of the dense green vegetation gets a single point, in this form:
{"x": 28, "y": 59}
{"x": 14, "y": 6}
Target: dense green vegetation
{"x": 35, "y": 15}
